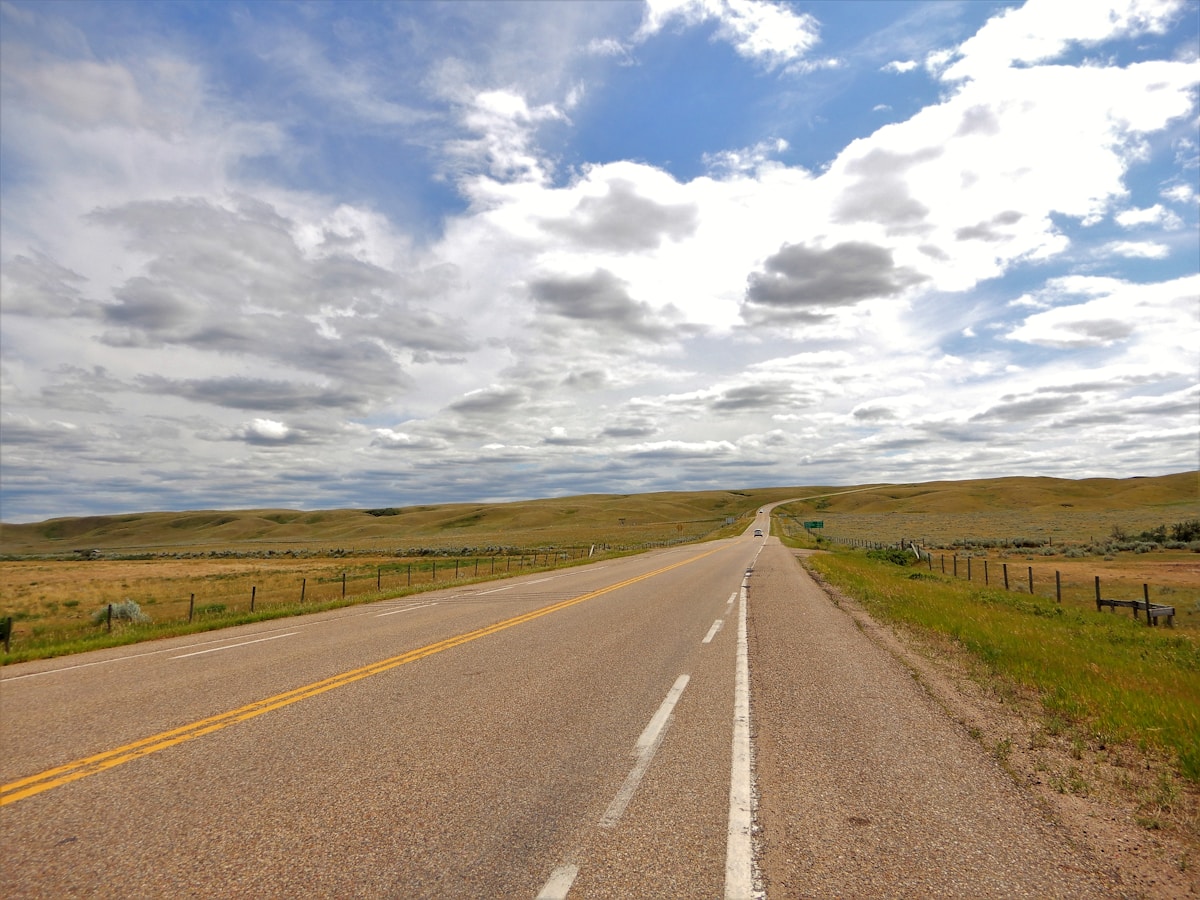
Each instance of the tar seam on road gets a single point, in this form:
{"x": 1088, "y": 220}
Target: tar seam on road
{"x": 82, "y": 768}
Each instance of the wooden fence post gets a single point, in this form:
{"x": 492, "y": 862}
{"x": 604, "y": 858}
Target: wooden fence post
{"x": 108, "y": 623}
{"x": 1005, "y": 575}
{"x": 968, "y": 568}
{"x": 343, "y": 585}
{"x": 378, "y": 577}
{"x": 1031, "y": 581}
{"x": 253, "y": 591}
{"x": 1057, "y": 586}
{"x": 955, "y": 565}
{"x": 1099, "y": 606}
{"x": 1150, "y": 620}
{"x": 191, "y": 607}
{"x": 303, "y": 588}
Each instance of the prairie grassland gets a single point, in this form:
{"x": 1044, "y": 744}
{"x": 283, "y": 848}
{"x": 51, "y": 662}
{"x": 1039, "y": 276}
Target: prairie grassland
{"x": 1168, "y": 578}
{"x": 1116, "y": 678}
{"x": 1061, "y": 531}
{"x": 212, "y": 563}
{"x": 575, "y": 521}
{"x": 161, "y": 559}
{"x": 55, "y": 603}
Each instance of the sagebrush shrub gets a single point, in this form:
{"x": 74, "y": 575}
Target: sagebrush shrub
{"x": 125, "y": 611}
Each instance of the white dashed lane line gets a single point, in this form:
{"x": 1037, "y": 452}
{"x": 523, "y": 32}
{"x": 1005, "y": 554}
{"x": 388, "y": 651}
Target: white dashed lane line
{"x": 645, "y": 749}
{"x": 404, "y": 609}
{"x": 563, "y": 876}
{"x": 559, "y": 884}
{"x": 273, "y": 637}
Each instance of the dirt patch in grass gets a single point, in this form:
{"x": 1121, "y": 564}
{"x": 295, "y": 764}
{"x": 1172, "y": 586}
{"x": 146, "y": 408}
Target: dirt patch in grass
{"x": 1123, "y": 807}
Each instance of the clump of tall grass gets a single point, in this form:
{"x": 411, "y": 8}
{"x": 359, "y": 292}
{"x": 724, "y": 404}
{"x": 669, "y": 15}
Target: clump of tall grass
{"x": 1108, "y": 673}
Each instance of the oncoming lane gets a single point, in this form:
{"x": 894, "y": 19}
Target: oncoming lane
{"x": 476, "y": 773}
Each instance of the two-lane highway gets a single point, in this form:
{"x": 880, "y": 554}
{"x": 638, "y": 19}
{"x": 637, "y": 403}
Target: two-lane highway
{"x": 565, "y": 732}
{"x": 584, "y": 733}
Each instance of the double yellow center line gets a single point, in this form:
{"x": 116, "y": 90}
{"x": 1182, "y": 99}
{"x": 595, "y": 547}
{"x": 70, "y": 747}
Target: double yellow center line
{"x": 82, "y": 768}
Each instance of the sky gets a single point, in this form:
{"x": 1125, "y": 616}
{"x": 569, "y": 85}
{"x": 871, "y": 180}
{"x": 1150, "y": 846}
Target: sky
{"x": 329, "y": 255}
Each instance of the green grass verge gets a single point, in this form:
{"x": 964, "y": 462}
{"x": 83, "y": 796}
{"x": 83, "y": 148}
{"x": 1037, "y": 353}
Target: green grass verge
{"x": 1107, "y": 673}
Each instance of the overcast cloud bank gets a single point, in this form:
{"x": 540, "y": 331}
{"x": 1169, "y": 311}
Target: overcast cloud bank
{"x": 342, "y": 255}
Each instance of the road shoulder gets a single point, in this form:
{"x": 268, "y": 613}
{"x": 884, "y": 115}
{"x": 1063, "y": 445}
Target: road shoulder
{"x": 1076, "y": 783}
{"x": 866, "y": 786}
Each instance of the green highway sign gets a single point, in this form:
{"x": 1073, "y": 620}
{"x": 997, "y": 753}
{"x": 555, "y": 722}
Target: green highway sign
{"x": 814, "y": 524}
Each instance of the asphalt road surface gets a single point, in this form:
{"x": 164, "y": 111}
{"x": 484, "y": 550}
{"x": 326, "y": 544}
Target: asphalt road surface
{"x": 582, "y": 733}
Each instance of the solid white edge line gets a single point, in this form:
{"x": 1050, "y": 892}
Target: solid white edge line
{"x": 739, "y": 851}
{"x": 559, "y": 884}
{"x": 646, "y": 747}
{"x": 233, "y": 646}
{"x": 712, "y": 632}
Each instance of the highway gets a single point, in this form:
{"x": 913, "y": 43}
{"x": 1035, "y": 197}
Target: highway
{"x": 585, "y": 733}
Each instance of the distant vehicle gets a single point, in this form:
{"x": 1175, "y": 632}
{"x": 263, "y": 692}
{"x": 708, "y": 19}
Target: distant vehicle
{"x": 758, "y": 532}
{"x": 760, "y": 512}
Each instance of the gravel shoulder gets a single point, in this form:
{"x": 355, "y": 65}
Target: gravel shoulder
{"x": 867, "y": 786}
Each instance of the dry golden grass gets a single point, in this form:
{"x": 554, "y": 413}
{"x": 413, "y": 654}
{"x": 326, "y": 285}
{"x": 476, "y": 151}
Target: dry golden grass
{"x": 51, "y": 598}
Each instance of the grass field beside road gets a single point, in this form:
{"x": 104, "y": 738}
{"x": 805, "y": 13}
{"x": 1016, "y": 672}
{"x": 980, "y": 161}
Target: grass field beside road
{"x": 1117, "y": 677}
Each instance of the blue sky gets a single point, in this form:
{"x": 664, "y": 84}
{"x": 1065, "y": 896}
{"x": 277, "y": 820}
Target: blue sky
{"x": 323, "y": 255}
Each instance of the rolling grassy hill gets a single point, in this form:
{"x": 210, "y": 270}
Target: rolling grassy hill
{"x": 570, "y": 519}
{"x": 1045, "y": 509}
{"x": 1068, "y": 507}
